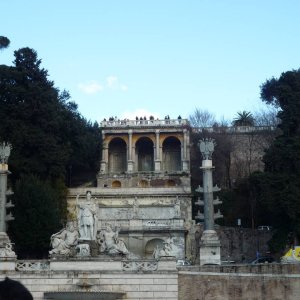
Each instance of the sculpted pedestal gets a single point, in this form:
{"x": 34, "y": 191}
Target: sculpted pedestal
{"x": 6, "y": 247}
{"x": 210, "y": 246}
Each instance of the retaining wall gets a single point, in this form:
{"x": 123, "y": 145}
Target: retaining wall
{"x": 265, "y": 282}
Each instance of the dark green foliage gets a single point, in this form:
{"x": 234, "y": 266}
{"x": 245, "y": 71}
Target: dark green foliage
{"x": 243, "y": 118}
{"x": 241, "y": 202}
{"x": 4, "y": 42}
{"x": 278, "y": 188}
{"x": 280, "y": 238}
{"x": 285, "y": 93}
{"x": 49, "y": 138}
{"x": 37, "y": 216}
{"x": 47, "y": 133}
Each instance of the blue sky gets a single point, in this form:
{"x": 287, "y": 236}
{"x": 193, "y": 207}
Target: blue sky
{"x": 134, "y": 57}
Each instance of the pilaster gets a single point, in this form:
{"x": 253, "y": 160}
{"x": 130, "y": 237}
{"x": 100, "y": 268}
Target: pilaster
{"x": 157, "y": 166}
{"x": 130, "y": 161}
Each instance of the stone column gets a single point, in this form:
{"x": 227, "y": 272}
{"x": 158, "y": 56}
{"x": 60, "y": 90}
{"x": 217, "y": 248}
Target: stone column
{"x": 5, "y": 244}
{"x": 210, "y": 244}
{"x": 208, "y": 194}
{"x": 157, "y": 152}
{"x": 129, "y": 158}
{"x": 104, "y": 160}
{"x": 3, "y": 188}
{"x": 185, "y": 165}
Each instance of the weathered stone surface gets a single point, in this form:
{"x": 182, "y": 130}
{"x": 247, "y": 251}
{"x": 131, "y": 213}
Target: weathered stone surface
{"x": 274, "y": 281}
{"x": 210, "y": 248}
{"x": 104, "y": 276}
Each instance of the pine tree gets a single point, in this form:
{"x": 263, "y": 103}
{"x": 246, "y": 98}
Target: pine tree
{"x": 278, "y": 188}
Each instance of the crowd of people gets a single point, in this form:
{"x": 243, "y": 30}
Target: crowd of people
{"x": 151, "y": 118}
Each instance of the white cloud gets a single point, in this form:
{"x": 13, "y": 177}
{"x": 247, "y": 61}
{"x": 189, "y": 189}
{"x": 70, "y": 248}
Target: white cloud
{"x": 91, "y": 87}
{"x": 141, "y": 112}
{"x": 123, "y": 87}
{"x": 110, "y": 83}
{"x": 113, "y": 83}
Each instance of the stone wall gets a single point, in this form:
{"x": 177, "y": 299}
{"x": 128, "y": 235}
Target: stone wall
{"x": 108, "y": 278}
{"x": 138, "y": 281}
{"x": 266, "y": 282}
{"x": 135, "y": 286}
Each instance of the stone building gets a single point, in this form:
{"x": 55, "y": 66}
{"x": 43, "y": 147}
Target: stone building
{"x": 143, "y": 187}
{"x": 144, "y": 191}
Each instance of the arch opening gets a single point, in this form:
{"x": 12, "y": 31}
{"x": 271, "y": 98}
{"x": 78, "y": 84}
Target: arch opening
{"x": 171, "y": 154}
{"x": 145, "y": 155}
{"x": 116, "y": 184}
{"x": 151, "y": 245}
{"x": 117, "y": 156}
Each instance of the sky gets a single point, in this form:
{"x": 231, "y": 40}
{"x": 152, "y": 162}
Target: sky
{"x": 130, "y": 58}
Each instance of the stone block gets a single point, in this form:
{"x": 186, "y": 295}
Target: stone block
{"x": 172, "y": 287}
{"x": 7, "y": 264}
{"x": 115, "y": 281}
{"x": 166, "y": 295}
{"x": 166, "y": 281}
{"x": 167, "y": 265}
{"x": 85, "y": 265}
{"x": 139, "y": 281}
{"x": 153, "y": 287}
{"x": 210, "y": 248}
{"x": 140, "y": 295}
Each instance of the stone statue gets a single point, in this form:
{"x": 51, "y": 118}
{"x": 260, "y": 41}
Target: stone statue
{"x": 206, "y": 147}
{"x": 168, "y": 249}
{"x": 4, "y": 152}
{"x": 83, "y": 250}
{"x": 6, "y": 250}
{"x": 86, "y": 218}
{"x": 156, "y": 252}
{"x": 110, "y": 242}
{"x": 64, "y": 240}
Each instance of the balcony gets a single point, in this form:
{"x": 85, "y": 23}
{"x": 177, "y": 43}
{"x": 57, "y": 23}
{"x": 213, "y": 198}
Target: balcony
{"x": 144, "y": 123}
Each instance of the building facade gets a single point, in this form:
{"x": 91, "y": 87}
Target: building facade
{"x": 143, "y": 186}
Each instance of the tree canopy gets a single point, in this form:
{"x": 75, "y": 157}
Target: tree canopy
{"x": 44, "y": 127}
{"x": 202, "y": 118}
{"x": 4, "y": 42}
{"x": 50, "y": 139}
{"x": 243, "y": 118}
{"x": 278, "y": 188}
{"x": 37, "y": 216}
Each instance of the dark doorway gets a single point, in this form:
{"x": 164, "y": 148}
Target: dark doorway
{"x": 145, "y": 154}
{"x": 171, "y": 154}
{"x": 117, "y": 161}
